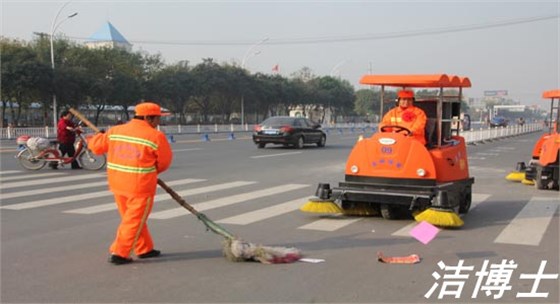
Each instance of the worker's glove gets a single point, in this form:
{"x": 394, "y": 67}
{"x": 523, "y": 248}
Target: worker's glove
{"x": 102, "y": 131}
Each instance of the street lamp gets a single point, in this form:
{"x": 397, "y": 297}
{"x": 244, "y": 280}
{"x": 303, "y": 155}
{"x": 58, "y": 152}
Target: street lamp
{"x": 55, "y": 26}
{"x": 248, "y": 55}
{"x": 335, "y": 69}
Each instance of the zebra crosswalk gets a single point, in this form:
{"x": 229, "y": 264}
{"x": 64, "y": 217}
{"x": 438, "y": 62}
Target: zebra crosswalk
{"x": 87, "y": 195}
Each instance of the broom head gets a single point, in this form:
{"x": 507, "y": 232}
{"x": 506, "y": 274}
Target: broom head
{"x": 515, "y": 176}
{"x": 317, "y": 205}
{"x": 237, "y": 250}
{"x": 440, "y": 217}
{"x": 527, "y": 182}
{"x": 360, "y": 209}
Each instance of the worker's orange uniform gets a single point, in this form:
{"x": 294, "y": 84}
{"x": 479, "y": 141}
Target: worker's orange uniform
{"x": 412, "y": 118}
{"x": 136, "y": 153}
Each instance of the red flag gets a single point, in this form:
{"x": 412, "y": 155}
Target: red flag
{"x": 275, "y": 68}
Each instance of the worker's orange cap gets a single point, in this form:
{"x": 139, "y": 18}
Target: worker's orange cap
{"x": 406, "y": 94}
{"x": 149, "y": 109}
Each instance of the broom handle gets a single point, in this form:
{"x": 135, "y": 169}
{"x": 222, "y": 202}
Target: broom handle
{"x": 84, "y": 119}
{"x": 177, "y": 198}
{"x": 205, "y": 220}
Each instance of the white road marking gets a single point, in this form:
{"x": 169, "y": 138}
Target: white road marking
{"x": 265, "y": 213}
{"x": 28, "y": 176}
{"x": 49, "y": 180}
{"x": 330, "y": 224}
{"x": 51, "y": 190}
{"x": 191, "y": 149}
{"x": 477, "y": 198}
{"x": 530, "y": 224}
{"x": 227, "y": 201}
{"x": 9, "y": 172}
{"x": 278, "y": 154}
{"x": 162, "y": 197}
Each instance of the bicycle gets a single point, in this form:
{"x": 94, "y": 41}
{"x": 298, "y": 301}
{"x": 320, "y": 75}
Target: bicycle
{"x": 35, "y": 160}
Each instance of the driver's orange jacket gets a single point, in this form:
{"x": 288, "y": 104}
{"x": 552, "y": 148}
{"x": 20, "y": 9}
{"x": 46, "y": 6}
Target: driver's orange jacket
{"x": 136, "y": 153}
{"x": 412, "y": 118}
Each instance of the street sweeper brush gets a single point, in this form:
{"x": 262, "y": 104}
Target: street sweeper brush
{"x": 234, "y": 249}
{"x": 519, "y": 173}
{"x": 440, "y": 218}
{"x": 317, "y": 205}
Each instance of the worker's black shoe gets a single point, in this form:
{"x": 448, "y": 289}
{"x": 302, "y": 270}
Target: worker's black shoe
{"x": 150, "y": 254}
{"x": 119, "y": 260}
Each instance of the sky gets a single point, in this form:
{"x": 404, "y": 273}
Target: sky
{"x": 499, "y": 45}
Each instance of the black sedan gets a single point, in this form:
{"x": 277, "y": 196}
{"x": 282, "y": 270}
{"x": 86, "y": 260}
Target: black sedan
{"x": 288, "y": 131}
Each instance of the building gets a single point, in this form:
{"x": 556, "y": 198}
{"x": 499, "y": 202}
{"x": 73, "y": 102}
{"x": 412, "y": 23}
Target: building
{"x": 108, "y": 37}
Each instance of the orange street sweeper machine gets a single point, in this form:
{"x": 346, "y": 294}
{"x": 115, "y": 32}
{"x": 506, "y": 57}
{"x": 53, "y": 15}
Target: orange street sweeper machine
{"x": 543, "y": 169}
{"x": 394, "y": 174}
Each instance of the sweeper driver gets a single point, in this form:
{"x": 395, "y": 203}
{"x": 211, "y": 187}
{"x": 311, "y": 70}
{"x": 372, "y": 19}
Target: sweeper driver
{"x": 407, "y": 115}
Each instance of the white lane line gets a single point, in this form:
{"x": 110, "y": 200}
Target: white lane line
{"x": 486, "y": 169}
{"x": 57, "y": 200}
{"x": 28, "y": 176}
{"x": 79, "y": 186}
{"x": 182, "y": 150}
{"x": 162, "y": 197}
{"x": 265, "y": 213}
{"x": 51, "y": 190}
{"x": 50, "y": 181}
{"x": 476, "y": 158}
{"x": 330, "y": 224}
{"x": 530, "y": 224}
{"x": 278, "y": 154}
{"x": 487, "y": 154}
{"x": 9, "y": 172}
{"x": 226, "y": 201}
{"x": 477, "y": 198}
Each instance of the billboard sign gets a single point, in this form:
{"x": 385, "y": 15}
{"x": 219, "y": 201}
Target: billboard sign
{"x": 495, "y": 93}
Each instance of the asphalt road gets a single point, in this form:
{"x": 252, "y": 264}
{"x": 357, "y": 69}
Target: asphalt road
{"x": 56, "y": 227}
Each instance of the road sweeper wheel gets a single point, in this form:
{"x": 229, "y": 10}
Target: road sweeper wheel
{"x": 261, "y": 145}
{"x": 466, "y": 200}
{"x": 538, "y": 179}
{"x": 388, "y": 212}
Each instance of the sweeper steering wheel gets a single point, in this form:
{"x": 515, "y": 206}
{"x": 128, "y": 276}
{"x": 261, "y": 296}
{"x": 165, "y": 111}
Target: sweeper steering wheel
{"x": 396, "y": 129}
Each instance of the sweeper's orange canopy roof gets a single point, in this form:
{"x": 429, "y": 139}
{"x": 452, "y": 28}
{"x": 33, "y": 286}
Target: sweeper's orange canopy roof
{"x": 423, "y": 81}
{"x": 551, "y": 94}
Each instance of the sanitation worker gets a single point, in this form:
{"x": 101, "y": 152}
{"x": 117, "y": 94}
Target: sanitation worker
{"x": 407, "y": 115}
{"x": 66, "y": 136}
{"x": 136, "y": 153}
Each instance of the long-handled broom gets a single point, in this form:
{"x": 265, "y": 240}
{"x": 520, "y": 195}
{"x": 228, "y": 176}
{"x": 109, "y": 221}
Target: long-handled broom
{"x": 234, "y": 249}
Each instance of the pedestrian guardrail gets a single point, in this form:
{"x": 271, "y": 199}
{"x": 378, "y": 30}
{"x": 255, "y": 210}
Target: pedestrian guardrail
{"x": 471, "y": 137}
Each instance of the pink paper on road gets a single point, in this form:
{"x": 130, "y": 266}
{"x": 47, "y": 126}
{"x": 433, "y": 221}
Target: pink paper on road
{"x": 424, "y": 232}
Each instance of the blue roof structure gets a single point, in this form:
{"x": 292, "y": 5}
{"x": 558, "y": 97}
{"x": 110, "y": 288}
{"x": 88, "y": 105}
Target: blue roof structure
{"x": 108, "y": 33}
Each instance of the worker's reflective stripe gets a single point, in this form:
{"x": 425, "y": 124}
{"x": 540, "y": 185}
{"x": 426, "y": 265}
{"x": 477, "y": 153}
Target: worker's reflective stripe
{"x": 131, "y": 169}
{"x": 149, "y": 202}
{"x": 134, "y": 140}
{"x": 397, "y": 119}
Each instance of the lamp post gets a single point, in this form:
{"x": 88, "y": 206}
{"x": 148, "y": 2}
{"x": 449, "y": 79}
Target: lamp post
{"x": 54, "y": 26}
{"x": 336, "y": 70}
{"x": 248, "y": 55}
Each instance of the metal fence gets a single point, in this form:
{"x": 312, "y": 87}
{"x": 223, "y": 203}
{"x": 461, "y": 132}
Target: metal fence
{"x": 472, "y": 136}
